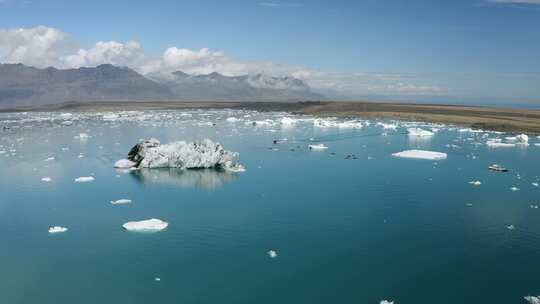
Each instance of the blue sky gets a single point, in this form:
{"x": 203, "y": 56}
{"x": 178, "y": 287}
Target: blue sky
{"x": 470, "y": 49}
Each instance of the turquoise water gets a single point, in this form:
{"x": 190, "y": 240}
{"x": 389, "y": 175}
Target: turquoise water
{"x": 345, "y": 230}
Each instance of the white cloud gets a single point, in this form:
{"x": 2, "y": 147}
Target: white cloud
{"x": 44, "y": 46}
{"x": 39, "y": 46}
{"x": 122, "y": 54}
{"x": 516, "y": 1}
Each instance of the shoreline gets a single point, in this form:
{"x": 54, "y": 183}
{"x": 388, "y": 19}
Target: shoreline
{"x": 479, "y": 117}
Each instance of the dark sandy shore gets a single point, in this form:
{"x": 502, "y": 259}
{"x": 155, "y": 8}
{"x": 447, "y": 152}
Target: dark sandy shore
{"x": 499, "y": 119}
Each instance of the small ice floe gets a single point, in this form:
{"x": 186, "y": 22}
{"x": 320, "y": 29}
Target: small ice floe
{"x": 317, "y": 147}
{"x": 84, "y": 179}
{"x": 469, "y": 204}
{"x": 497, "y": 143}
{"x": 287, "y": 121}
{"x": 475, "y": 183}
{"x": 57, "y": 229}
{"x": 514, "y": 189}
{"x": 421, "y": 154}
{"x": 122, "y": 201}
{"x": 535, "y": 184}
{"x": 46, "y": 179}
{"x": 82, "y": 136}
{"x": 534, "y": 206}
{"x": 272, "y": 254}
{"x": 66, "y": 115}
{"x": 65, "y": 149}
{"x": 80, "y": 155}
{"x": 532, "y": 299}
{"x": 523, "y": 139}
{"x": 510, "y": 227}
{"x": 50, "y": 158}
{"x": 419, "y": 132}
{"x": 110, "y": 117}
{"x": 146, "y": 225}
{"x": 157, "y": 279}
{"x": 124, "y": 164}
{"x": 232, "y": 119}
{"x": 386, "y": 302}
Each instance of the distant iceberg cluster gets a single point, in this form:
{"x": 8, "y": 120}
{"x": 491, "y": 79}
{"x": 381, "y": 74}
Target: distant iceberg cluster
{"x": 201, "y": 154}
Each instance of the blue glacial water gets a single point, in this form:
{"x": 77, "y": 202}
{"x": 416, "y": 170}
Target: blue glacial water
{"x": 360, "y": 230}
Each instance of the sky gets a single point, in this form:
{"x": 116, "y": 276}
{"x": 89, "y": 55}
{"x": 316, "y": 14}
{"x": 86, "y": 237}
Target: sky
{"x": 452, "y": 50}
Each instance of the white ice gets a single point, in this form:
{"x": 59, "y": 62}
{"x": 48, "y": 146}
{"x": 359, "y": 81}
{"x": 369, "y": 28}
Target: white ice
{"x": 421, "y": 154}
{"x": 46, "y": 179}
{"x": 57, "y": 229}
{"x": 84, "y": 179}
{"x": 146, "y": 225}
{"x": 318, "y": 147}
{"x": 419, "y": 132}
{"x": 532, "y": 299}
{"x": 121, "y": 201}
{"x": 272, "y": 254}
{"x": 124, "y": 164}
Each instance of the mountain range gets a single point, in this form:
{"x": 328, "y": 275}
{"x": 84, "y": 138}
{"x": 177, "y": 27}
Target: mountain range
{"x": 22, "y": 85}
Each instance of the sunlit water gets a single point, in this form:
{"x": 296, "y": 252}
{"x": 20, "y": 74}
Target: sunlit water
{"x": 356, "y": 230}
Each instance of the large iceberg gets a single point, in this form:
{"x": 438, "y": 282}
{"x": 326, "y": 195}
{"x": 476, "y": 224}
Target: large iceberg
{"x": 193, "y": 155}
{"x": 421, "y": 154}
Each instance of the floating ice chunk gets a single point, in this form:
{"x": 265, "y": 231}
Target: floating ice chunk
{"x": 272, "y": 254}
{"x": 532, "y": 299}
{"x": 386, "y": 302}
{"x": 287, "y": 121}
{"x": 534, "y": 184}
{"x": 350, "y": 125}
{"x": 66, "y": 115}
{"x": 523, "y": 138}
{"x": 84, "y": 179}
{"x": 124, "y": 164}
{"x": 510, "y": 227}
{"x": 318, "y": 147}
{"x": 514, "y": 189}
{"x": 475, "y": 183}
{"x": 46, "y": 179}
{"x": 146, "y": 225}
{"x": 419, "y": 132}
{"x": 67, "y": 123}
{"x": 387, "y": 125}
{"x": 57, "y": 229}
{"x": 50, "y": 159}
{"x": 534, "y": 206}
{"x": 110, "y": 117}
{"x": 82, "y": 136}
{"x": 421, "y": 154}
{"x": 232, "y": 119}
{"x": 122, "y": 201}
{"x": 157, "y": 279}
{"x": 198, "y": 154}
{"x": 496, "y": 143}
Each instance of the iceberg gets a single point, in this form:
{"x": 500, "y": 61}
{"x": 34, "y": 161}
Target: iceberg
{"x": 318, "y": 147}
{"x": 496, "y": 143}
{"x": 84, "y": 179}
{"x": 193, "y": 155}
{"x": 419, "y": 132}
{"x": 57, "y": 229}
{"x": 475, "y": 183}
{"x": 386, "y": 302}
{"x": 46, "y": 179}
{"x": 421, "y": 154}
{"x": 146, "y": 225}
{"x": 121, "y": 201}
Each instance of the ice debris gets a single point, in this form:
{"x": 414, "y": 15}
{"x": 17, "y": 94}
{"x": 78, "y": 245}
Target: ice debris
{"x": 532, "y": 299}
{"x": 419, "y": 132}
{"x": 146, "y": 225}
{"x": 57, "y": 229}
{"x": 475, "y": 183}
{"x": 121, "y": 201}
{"x": 46, "y": 179}
{"x": 84, "y": 179}
{"x": 272, "y": 254}
{"x": 193, "y": 155}
{"x": 421, "y": 154}
{"x": 318, "y": 147}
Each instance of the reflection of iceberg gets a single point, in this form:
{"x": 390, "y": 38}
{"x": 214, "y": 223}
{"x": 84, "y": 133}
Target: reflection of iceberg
{"x": 209, "y": 179}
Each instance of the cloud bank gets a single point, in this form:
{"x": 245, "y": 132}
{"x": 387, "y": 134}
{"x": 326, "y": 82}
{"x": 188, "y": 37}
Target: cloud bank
{"x": 45, "y": 46}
